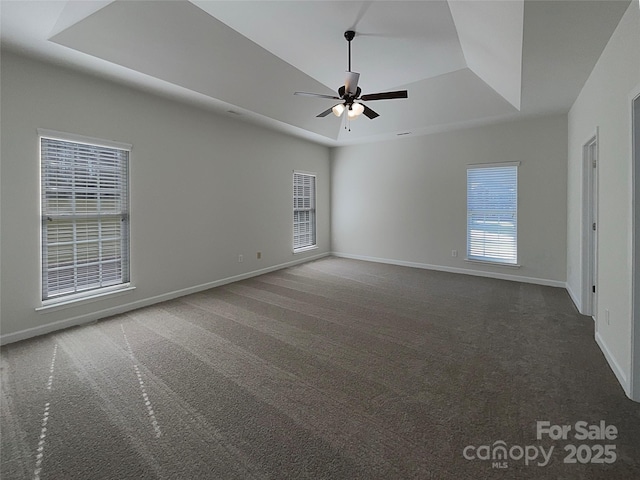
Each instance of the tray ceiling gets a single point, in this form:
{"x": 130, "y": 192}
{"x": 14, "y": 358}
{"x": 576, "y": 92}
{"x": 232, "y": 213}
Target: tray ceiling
{"x": 463, "y": 62}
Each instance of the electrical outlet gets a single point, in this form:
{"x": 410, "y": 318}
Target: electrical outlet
{"x": 259, "y": 255}
{"x": 240, "y": 258}
{"x": 454, "y": 253}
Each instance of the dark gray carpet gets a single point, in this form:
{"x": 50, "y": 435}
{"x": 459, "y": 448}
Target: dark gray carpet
{"x": 335, "y": 369}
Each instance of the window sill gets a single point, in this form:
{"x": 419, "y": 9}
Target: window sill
{"x": 305, "y": 249}
{"x": 494, "y": 264}
{"x": 59, "y": 304}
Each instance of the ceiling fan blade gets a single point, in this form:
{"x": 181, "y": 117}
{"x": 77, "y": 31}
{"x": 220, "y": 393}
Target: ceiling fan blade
{"x": 317, "y": 95}
{"x": 369, "y": 113}
{"x": 351, "y": 82}
{"x": 326, "y": 112}
{"x": 385, "y": 95}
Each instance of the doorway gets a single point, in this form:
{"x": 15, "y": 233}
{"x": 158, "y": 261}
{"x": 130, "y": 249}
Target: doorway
{"x": 590, "y": 156}
{"x": 634, "y": 387}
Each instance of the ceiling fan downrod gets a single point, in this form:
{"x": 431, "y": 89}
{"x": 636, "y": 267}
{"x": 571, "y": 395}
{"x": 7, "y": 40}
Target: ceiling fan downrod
{"x": 349, "y": 35}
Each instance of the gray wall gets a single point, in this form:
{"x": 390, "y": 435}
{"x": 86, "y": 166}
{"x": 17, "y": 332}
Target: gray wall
{"x": 605, "y": 105}
{"x": 404, "y": 201}
{"x": 204, "y": 188}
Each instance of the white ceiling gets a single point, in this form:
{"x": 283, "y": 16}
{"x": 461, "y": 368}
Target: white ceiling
{"x": 463, "y": 62}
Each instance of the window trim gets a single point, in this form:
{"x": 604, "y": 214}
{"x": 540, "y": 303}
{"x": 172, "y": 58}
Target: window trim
{"x": 314, "y": 209}
{"x": 489, "y": 261}
{"x": 75, "y": 298}
{"x": 76, "y": 138}
{"x": 84, "y": 297}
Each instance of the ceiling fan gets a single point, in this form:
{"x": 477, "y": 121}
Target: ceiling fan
{"x": 349, "y": 94}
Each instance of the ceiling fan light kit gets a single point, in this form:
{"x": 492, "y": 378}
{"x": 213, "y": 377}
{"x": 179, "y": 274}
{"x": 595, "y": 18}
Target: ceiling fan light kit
{"x": 355, "y": 110}
{"x": 338, "y": 109}
{"x": 349, "y": 93}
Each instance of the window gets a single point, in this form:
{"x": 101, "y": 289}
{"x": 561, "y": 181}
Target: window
{"x": 492, "y": 213}
{"x": 304, "y": 211}
{"x": 85, "y": 216}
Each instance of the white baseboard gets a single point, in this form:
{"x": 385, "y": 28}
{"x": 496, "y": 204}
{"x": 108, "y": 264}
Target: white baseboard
{"x": 464, "y": 271}
{"x": 97, "y": 315}
{"x": 614, "y": 365}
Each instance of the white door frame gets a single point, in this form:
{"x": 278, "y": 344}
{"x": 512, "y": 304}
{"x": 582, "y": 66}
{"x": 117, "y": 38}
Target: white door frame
{"x": 589, "y": 218}
{"x": 634, "y": 370}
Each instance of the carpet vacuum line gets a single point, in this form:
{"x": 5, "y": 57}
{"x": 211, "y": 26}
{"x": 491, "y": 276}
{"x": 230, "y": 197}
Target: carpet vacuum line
{"x": 45, "y": 418}
{"x": 145, "y": 396}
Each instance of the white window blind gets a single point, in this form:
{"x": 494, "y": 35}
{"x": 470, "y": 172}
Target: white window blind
{"x": 304, "y": 210}
{"x": 492, "y": 213}
{"x": 85, "y": 217}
